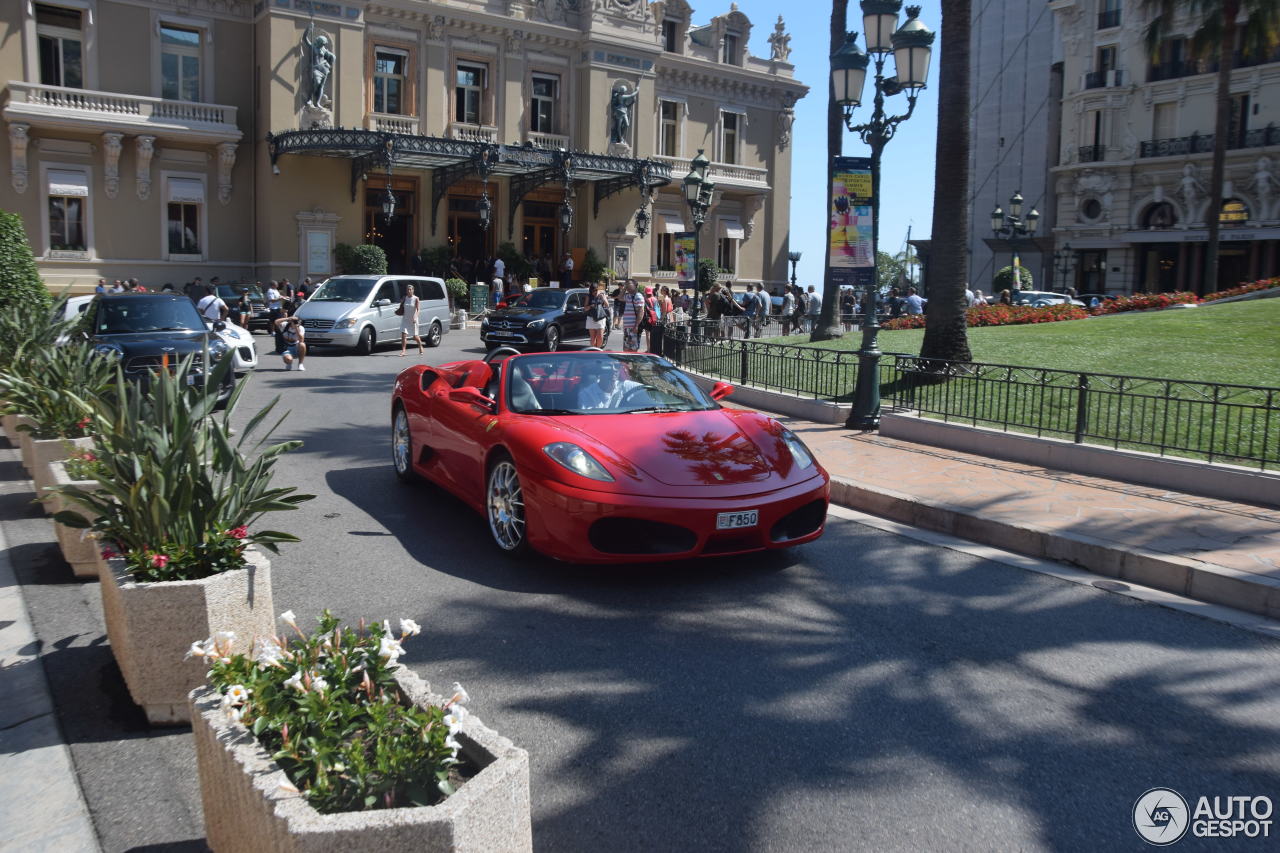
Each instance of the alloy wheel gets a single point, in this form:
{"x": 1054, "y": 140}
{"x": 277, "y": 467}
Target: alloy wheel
{"x": 505, "y": 501}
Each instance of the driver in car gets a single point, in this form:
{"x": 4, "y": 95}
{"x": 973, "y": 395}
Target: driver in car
{"x": 607, "y": 392}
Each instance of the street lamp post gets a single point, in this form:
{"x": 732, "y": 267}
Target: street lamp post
{"x": 698, "y": 192}
{"x": 1064, "y": 261}
{"x": 911, "y": 46}
{"x": 794, "y": 257}
{"x": 1013, "y": 226}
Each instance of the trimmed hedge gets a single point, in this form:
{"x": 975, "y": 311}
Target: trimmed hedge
{"x": 19, "y": 280}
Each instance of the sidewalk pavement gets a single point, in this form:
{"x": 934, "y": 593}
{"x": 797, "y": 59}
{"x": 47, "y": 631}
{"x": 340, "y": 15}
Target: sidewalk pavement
{"x": 1192, "y": 546}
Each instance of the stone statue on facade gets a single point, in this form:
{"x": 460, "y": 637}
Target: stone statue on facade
{"x": 1264, "y": 185}
{"x": 620, "y": 104}
{"x": 1189, "y": 188}
{"x": 779, "y": 42}
{"x": 320, "y": 67}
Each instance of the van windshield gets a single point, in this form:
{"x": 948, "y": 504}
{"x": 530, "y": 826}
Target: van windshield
{"x": 344, "y": 290}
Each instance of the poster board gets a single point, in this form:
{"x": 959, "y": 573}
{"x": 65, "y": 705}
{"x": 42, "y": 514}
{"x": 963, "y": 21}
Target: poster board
{"x": 849, "y": 235}
{"x": 685, "y": 263}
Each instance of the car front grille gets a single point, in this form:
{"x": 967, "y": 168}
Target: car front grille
{"x": 152, "y": 363}
{"x": 639, "y": 536}
{"x": 506, "y": 324}
{"x": 800, "y": 522}
{"x": 317, "y": 324}
{"x": 246, "y": 353}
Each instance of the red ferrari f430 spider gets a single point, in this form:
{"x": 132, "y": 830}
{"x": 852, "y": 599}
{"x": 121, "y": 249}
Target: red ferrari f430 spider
{"x": 602, "y": 457}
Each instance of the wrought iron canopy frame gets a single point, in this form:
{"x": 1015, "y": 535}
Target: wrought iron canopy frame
{"x": 454, "y": 159}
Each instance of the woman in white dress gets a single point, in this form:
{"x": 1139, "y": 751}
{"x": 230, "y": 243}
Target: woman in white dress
{"x": 409, "y": 320}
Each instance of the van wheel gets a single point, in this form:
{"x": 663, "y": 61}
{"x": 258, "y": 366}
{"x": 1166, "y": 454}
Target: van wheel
{"x": 364, "y": 346}
{"x": 434, "y": 334}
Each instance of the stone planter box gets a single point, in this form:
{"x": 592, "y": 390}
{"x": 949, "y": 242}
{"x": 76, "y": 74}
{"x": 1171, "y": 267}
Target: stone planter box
{"x": 10, "y": 425}
{"x": 151, "y": 627}
{"x": 80, "y": 551}
{"x": 44, "y": 454}
{"x": 246, "y": 809}
{"x": 23, "y": 439}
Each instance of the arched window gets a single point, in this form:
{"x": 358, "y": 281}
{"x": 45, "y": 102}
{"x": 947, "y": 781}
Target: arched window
{"x": 1234, "y": 212}
{"x": 1159, "y": 215}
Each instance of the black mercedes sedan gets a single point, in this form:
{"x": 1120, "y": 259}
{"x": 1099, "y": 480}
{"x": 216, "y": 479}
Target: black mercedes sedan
{"x": 148, "y": 332}
{"x": 542, "y": 319}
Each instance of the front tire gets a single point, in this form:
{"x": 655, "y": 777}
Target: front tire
{"x": 504, "y": 507}
{"x": 553, "y": 339}
{"x": 402, "y": 445}
{"x": 434, "y": 334}
{"x": 364, "y": 346}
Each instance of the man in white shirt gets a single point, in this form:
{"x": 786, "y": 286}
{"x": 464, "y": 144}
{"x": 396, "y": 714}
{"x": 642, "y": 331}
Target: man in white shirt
{"x": 606, "y": 392}
{"x": 969, "y": 298}
{"x": 913, "y": 303}
{"x": 814, "y": 309}
{"x": 212, "y": 308}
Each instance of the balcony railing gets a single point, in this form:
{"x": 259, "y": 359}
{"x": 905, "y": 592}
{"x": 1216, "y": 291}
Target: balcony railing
{"x": 550, "y": 141}
{"x": 473, "y": 132}
{"x": 1203, "y": 143}
{"x": 1102, "y": 79}
{"x": 725, "y": 174}
{"x": 1173, "y": 70}
{"x": 391, "y": 123}
{"x": 58, "y": 105}
{"x": 1093, "y": 153}
{"x": 1109, "y": 19}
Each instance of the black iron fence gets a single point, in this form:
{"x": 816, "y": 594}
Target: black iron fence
{"x": 1236, "y": 424}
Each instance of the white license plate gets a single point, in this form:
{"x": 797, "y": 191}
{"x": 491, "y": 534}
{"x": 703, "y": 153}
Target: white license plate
{"x": 192, "y": 379}
{"x": 731, "y": 520}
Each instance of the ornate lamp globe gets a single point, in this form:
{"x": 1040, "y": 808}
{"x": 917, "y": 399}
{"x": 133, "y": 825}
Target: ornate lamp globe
{"x": 912, "y": 50}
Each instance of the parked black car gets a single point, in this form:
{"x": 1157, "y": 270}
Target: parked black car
{"x": 260, "y": 317}
{"x": 146, "y": 331}
{"x": 539, "y": 320}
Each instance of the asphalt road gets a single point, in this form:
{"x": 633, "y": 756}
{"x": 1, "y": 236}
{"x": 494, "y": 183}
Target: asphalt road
{"x": 864, "y": 692}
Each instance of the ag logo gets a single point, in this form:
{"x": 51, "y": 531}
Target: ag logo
{"x": 1161, "y": 817}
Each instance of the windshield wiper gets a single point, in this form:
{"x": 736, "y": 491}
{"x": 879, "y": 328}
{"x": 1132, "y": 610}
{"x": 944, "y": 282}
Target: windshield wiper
{"x": 654, "y": 409}
{"x": 175, "y": 329}
{"x": 550, "y": 412}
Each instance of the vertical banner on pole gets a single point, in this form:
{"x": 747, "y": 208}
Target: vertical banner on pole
{"x": 849, "y": 234}
{"x": 686, "y": 274}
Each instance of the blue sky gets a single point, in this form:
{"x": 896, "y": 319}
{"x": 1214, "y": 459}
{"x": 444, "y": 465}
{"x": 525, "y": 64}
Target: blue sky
{"x": 906, "y": 196}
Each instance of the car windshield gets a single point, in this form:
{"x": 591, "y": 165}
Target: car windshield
{"x": 230, "y": 292}
{"x": 541, "y": 298}
{"x": 600, "y": 384}
{"x": 344, "y": 290}
{"x": 127, "y": 316}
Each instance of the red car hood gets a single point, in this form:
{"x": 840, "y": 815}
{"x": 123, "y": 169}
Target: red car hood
{"x": 684, "y": 448}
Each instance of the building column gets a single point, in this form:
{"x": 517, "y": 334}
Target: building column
{"x": 1182, "y": 267}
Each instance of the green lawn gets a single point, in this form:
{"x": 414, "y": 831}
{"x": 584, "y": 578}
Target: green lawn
{"x": 1237, "y": 343}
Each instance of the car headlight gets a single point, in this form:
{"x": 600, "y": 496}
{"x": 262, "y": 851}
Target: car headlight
{"x": 217, "y": 349}
{"x": 578, "y": 461}
{"x": 799, "y": 452}
{"x": 345, "y": 324}
{"x": 108, "y": 351}
{"x": 536, "y": 324}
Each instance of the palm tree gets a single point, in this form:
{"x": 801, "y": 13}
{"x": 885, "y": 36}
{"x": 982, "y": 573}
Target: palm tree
{"x": 1214, "y": 33}
{"x": 946, "y": 332}
{"x": 827, "y": 328}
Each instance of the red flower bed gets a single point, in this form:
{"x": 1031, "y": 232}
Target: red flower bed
{"x": 1000, "y": 315}
{"x": 1144, "y": 302}
{"x": 1264, "y": 284}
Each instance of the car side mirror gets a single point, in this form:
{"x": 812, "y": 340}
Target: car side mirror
{"x": 378, "y": 303}
{"x": 721, "y": 390}
{"x": 470, "y": 396}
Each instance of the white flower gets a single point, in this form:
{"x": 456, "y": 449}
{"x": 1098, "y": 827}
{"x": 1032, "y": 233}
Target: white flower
{"x": 295, "y": 681}
{"x": 289, "y": 619}
{"x": 237, "y": 694}
{"x": 454, "y": 720}
{"x": 460, "y": 696}
{"x": 318, "y": 684}
{"x": 234, "y": 714}
{"x": 289, "y": 787}
{"x": 409, "y": 628}
{"x": 196, "y": 651}
{"x": 224, "y": 638}
{"x": 390, "y": 649}
{"x": 267, "y": 651}
{"x": 452, "y": 743}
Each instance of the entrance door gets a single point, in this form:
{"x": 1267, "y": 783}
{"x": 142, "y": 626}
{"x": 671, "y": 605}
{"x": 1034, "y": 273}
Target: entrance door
{"x": 541, "y": 233}
{"x": 467, "y": 238}
{"x": 1159, "y": 272}
{"x": 396, "y": 237}
{"x": 1233, "y": 265}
